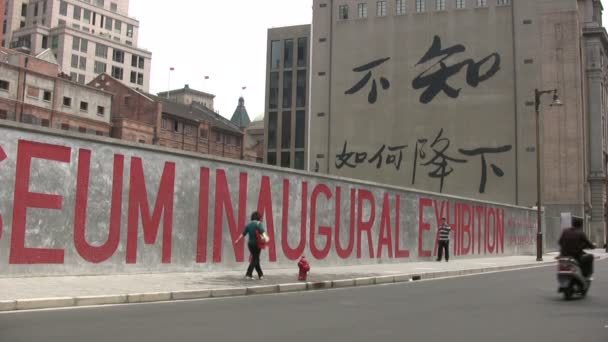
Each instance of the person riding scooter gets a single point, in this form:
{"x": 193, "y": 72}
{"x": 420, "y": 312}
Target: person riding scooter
{"x": 573, "y": 242}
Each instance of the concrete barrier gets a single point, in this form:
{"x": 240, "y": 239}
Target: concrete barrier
{"x": 292, "y": 287}
{"x": 44, "y": 303}
{"x": 105, "y": 206}
{"x": 229, "y": 292}
{"x": 148, "y": 297}
{"x": 100, "y": 300}
{"x": 195, "y": 294}
{"x": 343, "y": 283}
{"x": 8, "y": 305}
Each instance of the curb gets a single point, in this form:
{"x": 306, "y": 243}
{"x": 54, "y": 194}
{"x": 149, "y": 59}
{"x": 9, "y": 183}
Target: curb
{"x": 48, "y": 303}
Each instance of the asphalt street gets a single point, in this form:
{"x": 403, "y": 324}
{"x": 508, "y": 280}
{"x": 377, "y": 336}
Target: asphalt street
{"x": 508, "y": 306}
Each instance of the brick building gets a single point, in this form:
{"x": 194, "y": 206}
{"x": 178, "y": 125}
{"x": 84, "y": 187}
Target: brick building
{"x": 34, "y": 91}
{"x": 150, "y": 119}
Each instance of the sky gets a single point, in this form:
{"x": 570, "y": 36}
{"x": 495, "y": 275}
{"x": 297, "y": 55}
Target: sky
{"x": 225, "y": 40}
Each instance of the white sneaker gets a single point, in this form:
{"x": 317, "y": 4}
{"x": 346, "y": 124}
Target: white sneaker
{"x": 261, "y": 278}
{"x": 248, "y": 278}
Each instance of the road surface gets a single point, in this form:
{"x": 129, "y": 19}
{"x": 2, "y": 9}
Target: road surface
{"x": 509, "y": 306}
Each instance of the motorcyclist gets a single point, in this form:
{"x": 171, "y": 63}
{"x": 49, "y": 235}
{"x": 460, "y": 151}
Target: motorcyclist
{"x": 572, "y": 244}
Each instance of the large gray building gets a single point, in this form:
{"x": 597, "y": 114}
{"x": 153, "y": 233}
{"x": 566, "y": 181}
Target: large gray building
{"x": 439, "y": 95}
{"x": 88, "y": 37}
{"x": 287, "y": 94}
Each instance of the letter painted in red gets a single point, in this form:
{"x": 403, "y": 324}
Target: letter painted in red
{"x": 319, "y": 253}
{"x": 386, "y": 238}
{"x": 365, "y": 226}
{"x": 90, "y": 253}
{"x": 294, "y": 253}
{"x": 399, "y": 253}
{"x": 345, "y": 253}
{"x": 203, "y": 216}
{"x": 423, "y": 227}
{"x": 138, "y": 204}
{"x": 24, "y": 199}
{"x": 223, "y": 203}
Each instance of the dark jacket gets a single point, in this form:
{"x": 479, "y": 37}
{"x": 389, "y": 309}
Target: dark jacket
{"x": 573, "y": 241}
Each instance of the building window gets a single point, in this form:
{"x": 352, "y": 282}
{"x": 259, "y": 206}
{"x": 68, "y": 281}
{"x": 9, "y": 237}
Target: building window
{"x": 24, "y": 10}
{"x": 63, "y": 8}
{"x": 218, "y": 137}
{"x": 381, "y": 8}
{"x": 343, "y": 12}
{"x": 460, "y": 4}
{"x": 4, "y": 85}
{"x": 164, "y": 123}
{"x": 47, "y": 96}
{"x": 54, "y": 42}
{"x": 101, "y": 51}
{"x": 286, "y": 159}
{"x": 109, "y": 23}
{"x": 113, "y": 7}
{"x": 362, "y": 10}
{"x": 275, "y": 54}
{"x": 79, "y": 44}
{"x": 300, "y": 128}
{"x": 82, "y": 65}
{"x": 133, "y": 77}
{"x": 45, "y": 123}
{"x": 67, "y": 101}
{"x": 301, "y": 89}
{"x": 440, "y": 5}
{"x": 140, "y": 78}
{"x": 273, "y": 100}
{"x": 420, "y": 6}
{"x": 100, "y": 67}
{"x": 178, "y": 126}
{"x": 299, "y": 161}
{"x": 302, "y": 48}
{"x": 86, "y": 17}
{"x": 204, "y": 133}
{"x": 482, "y": 3}
{"x": 287, "y": 92}
{"x": 503, "y": 2}
{"x": 117, "y": 72}
{"x": 65, "y": 127}
{"x": 3, "y": 114}
{"x": 130, "y": 31}
{"x": 77, "y": 12}
{"x": 84, "y": 106}
{"x": 101, "y": 111}
{"x": 137, "y": 61}
{"x": 81, "y": 78}
{"x": 272, "y": 158}
{"x": 82, "y": 130}
{"x": 100, "y": 3}
{"x": 286, "y": 130}
{"x": 288, "y": 54}
{"x": 117, "y": 26}
{"x": 272, "y": 130}
{"x": 118, "y": 56}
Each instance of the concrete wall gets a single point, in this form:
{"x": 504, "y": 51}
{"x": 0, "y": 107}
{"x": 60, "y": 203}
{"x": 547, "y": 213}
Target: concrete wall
{"x": 77, "y": 204}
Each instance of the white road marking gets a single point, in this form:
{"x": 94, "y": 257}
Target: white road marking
{"x": 424, "y": 268}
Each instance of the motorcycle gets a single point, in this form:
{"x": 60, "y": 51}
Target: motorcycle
{"x": 570, "y": 278}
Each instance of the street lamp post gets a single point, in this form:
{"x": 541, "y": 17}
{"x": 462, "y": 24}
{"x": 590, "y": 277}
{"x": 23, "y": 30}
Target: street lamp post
{"x": 539, "y": 203}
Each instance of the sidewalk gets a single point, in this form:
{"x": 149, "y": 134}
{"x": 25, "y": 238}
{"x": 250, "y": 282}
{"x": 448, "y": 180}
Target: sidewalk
{"x": 48, "y": 292}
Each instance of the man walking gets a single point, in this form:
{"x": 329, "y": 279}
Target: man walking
{"x": 443, "y": 233}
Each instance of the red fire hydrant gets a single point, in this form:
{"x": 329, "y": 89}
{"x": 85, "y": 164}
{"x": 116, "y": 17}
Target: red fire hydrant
{"x": 304, "y": 268}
